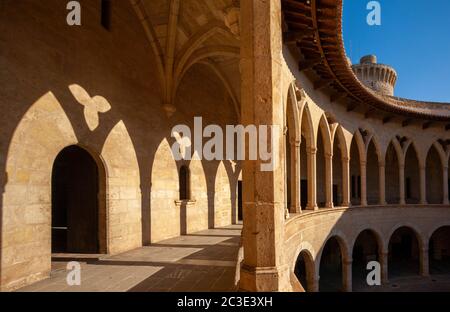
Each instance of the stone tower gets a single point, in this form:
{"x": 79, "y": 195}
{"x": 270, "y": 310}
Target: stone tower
{"x": 378, "y": 77}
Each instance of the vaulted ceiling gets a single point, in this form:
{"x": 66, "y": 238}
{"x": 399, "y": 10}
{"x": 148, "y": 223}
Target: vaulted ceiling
{"x": 184, "y": 33}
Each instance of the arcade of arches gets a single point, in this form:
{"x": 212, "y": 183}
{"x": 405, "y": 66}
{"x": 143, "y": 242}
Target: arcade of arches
{"x": 86, "y": 148}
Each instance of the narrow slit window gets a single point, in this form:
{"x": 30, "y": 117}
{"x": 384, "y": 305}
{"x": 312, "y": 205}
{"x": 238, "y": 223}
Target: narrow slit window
{"x": 184, "y": 183}
{"x": 106, "y": 14}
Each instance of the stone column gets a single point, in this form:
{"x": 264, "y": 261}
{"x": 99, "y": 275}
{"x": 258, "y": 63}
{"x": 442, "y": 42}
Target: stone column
{"x": 445, "y": 201}
{"x": 312, "y": 177}
{"x": 401, "y": 175}
{"x": 263, "y": 200}
{"x": 347, "y": 275}
{"x": 315, "y": 285}
{"x": 363, "y": 183}
{"x": 382, "y": 180}
{"x": 384, "y": 262}
{"x": 423, "y": 185}
{"x": 345, "y": 181}
{"x": 424, "y": 262}
{"x": 329, "y": 180}
{"x": 295, "y": 177}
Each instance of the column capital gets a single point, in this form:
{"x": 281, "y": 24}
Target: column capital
{"x": 295, "y": 142}
{"x": 170, "y": 109}
{"x": 345, "y": 159}
{"x": 329, "y": 155}
{"x": 348, "y": 261}
{"x": 312, "y": 151}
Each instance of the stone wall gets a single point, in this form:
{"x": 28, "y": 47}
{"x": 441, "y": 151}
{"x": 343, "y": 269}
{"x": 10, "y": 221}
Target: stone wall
{"x": 310, "y": 232}
{"x": 98, "y": 89}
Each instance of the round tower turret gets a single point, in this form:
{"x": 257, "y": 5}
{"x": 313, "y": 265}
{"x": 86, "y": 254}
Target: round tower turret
{"x": 378, "y": 77}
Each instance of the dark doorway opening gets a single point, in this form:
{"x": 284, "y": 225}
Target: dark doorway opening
{"x": 75, "y": 206}
{"x": 185, "y": 192}
{"x": 304, "y": 193}
{"x": 331, "y": 267}
{"x": 335, "y": 195}
{"x": 439, "y": 251}
{"x": 403, "y": 253}
{"x": 240, "y": 214}
{"x": 365, "y": 251}
{"x": 303, "y": 271}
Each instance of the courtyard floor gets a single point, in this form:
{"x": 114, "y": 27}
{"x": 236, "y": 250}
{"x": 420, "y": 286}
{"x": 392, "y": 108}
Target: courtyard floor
{"x": 204, "y": 261}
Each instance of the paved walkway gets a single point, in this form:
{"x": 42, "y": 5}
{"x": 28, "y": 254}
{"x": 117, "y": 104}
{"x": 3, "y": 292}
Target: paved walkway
{"x": 204, "y": 261}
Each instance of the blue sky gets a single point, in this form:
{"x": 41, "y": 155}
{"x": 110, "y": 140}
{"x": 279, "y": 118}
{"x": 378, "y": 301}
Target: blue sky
{"x": 414, "y": 38}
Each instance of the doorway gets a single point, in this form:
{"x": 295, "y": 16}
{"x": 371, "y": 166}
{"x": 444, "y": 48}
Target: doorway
{"x": 75, "y": 204}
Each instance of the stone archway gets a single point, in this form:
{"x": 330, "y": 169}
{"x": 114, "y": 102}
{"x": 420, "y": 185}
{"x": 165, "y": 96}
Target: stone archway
{"x": 392, "y": 175}
{"x": 404, "y": 253}
{"x": 331, "y": 266}
{"x": 307, "y": 166}
{"x": 365, "y": 249}
{"x": 35, "y": 145}
{"x": 78, "y": 214}
{"x": 439, "y": 251}
{"x": 373, "y": 175}
{"x": 412, "y": 176}
{"x": 304, "y": 270}
{"x": 355, "y": 174}
{"x": 165, "y": 216}
{"x": 324, "y": 165}
{"x": 340, "y": 166}
{"x": 222, "y": 198}
{"x": 434, "y": 177}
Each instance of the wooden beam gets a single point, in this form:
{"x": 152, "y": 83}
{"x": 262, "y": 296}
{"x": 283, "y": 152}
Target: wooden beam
{"x": 322, "y": 83}
{"x": 335, "y": 97}
{"x": 293, "y": 37}
{"x": 308, "y": 64}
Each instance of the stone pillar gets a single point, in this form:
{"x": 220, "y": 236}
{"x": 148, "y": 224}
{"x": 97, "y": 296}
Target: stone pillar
{"x": 345, "y": 181}
{"x": 295, "y": 177}
{"x": 445, "y": 201}
{"x": 384, "y": 262}
{"x": 382, "y": 180}
{"x": 329, "y": 180}
{"x": 312, "y": 177}
{"x": 401, "y": 175}
{"x": 424, "y": 262}
{"x": 423, "y": 185}
{"x": 347, "y": 275}
{"x": 314, "y": 287}
{"x": 263, "y": 199}
{"x": 363, "y": 183}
